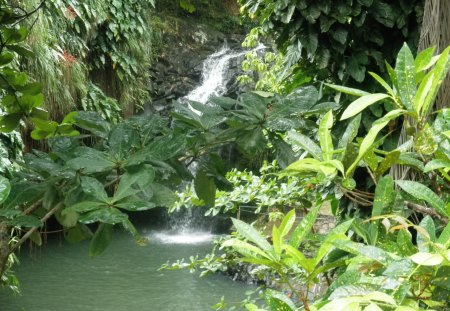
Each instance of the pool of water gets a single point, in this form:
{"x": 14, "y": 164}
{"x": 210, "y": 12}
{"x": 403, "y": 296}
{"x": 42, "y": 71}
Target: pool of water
{"x": 61, "y": 277}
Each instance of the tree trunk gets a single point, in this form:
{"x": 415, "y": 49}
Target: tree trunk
{"x": 435, "y": 31}
{"x": 4, "y": 247}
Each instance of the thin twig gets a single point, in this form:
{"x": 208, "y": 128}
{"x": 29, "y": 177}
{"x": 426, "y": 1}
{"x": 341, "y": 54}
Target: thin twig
{"x": 426, "y": 210}
{"x": 33, "y": 230}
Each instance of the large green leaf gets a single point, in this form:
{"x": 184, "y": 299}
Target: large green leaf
{"x": 362, "y": 103}
{"x": 278, "y": 301}
{"x": 93, "y": 122}
{"x": 335, "y": 233}
{"x": 122, "y": 139}
{"x": 90, "y": 161}
{"x": 134, "y": 206}
{"x": 94, "y": 188}
{"x": 439, "y": 73}
{"x": 163, "y": 196}
{"x": 372, "y": 252}
{"x": 305, "y": 143}
{"x": 426, "y": 235}
{"x": 309, "y": 165}
{"x": 301, "y": 101}
{"x": 85, "y": 206}
{"x": 246, "y": 249}
{"x": 444, "y": 237}
{"x": 349, "y": 134}
{"x": 5, "y": 188}
{"x": 24, "y": 193}
{"x": 406, "y": 76}
{"x": 384, "y": 195}
{"x": 436, "y": 164}
{"x": 421, "y": 192}
{"x": 347, "y": 90}
{"x": 287, "y": 223}
{"x": 389, "y": 160}
{"x": 304, "y": 227}
{"x": 251, "y": 234}
{"x": 368, "y": 141}
{"x": 101, "y": 240}
{"x": 125, "y": 189}
{"x": 404, "y": 243}
{"x": 25, "y": 221}
{"x": 77, "y": 234}
{"x": 107, "y": 215}
{"x": 205, "y": 188}
{"x": 326, "y": 142}
{"x": 424, "y": 58}
{"x": 384, "y": 84}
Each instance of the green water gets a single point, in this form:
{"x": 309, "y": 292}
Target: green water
{"x": 63, "y": 278}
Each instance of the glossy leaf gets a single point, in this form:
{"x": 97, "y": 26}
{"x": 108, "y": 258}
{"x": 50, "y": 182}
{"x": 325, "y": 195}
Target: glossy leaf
{"x": 384, "y": 195}
{"x": 278, "y": 301}
{"x": 94, "y": 188}
{"x": 383, "y": 83}
{"x": 350, "y": 133}
{"x": 251, "y": 234}
{"x": 104, "y": 215}
{"x": 326, "y": 142}
{"x": 245, "y": 248}
{"x": 25, "y": 221}
{"x": 362, "y": 103}
{"x": 421, "y": 192}
{"x": 287, "y": 223}
{"x": 406, "y": 76}
{"x": 427, "y": 259}
{"x": 368, "y": 141}
{"x": 205, "y": 188}
{"x": 85, "y": 206}
{"x": 101, "y": 239}
{"x": 306, "y": 143}
{"x": 135, "y": 206}
{"x": 436, "y": 164}
{"x": 91, "y": 161}
{"x": 439, "y": 73}
{"x": 304, "y": 227}
{"x": 5, "y": 188}
{"x": 347, "y": 90}
{"x": 424, "y": 58}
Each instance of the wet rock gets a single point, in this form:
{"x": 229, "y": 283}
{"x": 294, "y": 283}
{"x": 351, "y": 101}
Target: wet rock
{"x": 178, "y": 70}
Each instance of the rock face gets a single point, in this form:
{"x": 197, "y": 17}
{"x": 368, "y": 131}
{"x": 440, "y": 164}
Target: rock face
{"x": 178, "y": 70}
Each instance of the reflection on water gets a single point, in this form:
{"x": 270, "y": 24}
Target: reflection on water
{"x": 64, "y": 278}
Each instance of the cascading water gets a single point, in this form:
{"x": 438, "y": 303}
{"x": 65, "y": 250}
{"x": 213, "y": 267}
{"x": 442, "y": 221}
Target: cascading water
{"x": 189, "y": 226}
{"x": 214, "y": 75}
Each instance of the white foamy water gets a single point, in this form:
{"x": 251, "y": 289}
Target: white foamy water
{"x": 214, "y": 74}
{"x": 170, "y": 237}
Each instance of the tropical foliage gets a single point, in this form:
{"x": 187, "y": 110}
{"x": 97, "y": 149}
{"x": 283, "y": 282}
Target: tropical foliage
{"x": 341, "y": 39}
{"x": 389, "y": 249}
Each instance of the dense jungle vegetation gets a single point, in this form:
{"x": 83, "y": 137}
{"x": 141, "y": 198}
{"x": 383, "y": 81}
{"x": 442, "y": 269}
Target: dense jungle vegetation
{"x": 346, "y": 112}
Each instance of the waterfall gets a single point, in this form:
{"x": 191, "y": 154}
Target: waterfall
{"x": 214, "y": 75}
{"x": 189, "y": 226}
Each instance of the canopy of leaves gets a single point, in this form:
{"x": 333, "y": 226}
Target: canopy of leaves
{"x": 344, "y": 38}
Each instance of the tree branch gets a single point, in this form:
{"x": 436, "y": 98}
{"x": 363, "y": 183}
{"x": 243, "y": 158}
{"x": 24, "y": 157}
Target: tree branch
{"x": 33, "y": 230}
{"x": 426, "y": 210}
